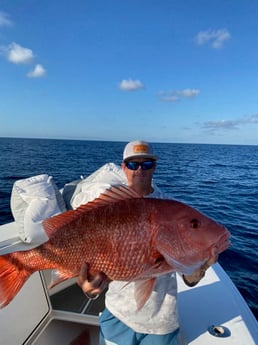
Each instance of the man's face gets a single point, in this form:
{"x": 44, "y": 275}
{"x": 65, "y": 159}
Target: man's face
{"x": 139, "y": 170}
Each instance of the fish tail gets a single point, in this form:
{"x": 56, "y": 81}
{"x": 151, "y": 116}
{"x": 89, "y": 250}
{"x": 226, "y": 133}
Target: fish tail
{"x": 12, "y": 278}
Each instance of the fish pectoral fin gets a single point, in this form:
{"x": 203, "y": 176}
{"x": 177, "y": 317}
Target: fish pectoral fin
{"x": 142, "y": 292}
{"x": 58, "y": 276}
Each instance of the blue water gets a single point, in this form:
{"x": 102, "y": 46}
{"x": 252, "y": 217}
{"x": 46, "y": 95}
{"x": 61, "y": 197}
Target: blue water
{"x": 219, "y": 180}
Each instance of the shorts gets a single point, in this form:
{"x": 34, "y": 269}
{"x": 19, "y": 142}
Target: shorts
{"x": 115, "y": 332}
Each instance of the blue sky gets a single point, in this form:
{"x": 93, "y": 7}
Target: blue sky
{"x": 160, "y": 70}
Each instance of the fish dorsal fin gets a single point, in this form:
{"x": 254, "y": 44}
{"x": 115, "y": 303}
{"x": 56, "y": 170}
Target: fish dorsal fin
{"x": 112, "y": 195}
{"x": 118, "y": 193}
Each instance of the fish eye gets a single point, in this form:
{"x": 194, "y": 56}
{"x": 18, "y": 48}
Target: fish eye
{"x": 195, "y": 223}
{"x": 158, "y": 261}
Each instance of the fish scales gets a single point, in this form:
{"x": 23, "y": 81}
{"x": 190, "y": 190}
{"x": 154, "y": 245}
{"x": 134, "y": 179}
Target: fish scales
{"x": 103, "y": 238}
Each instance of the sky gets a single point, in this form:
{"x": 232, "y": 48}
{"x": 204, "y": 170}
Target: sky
{"x": 160, "y": 70}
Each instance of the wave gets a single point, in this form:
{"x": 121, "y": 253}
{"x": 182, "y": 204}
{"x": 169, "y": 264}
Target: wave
{"x": 13, "y": 177}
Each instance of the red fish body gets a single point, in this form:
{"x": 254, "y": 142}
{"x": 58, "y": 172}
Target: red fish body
{"x": 126, "y": 237}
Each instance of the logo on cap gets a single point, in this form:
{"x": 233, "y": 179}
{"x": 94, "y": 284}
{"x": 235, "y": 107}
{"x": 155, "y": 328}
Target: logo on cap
{"x": 140, "y": 148}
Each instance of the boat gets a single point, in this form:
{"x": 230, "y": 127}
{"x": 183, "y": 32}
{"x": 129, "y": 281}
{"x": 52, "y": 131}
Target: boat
{"x": 212, "y": 312}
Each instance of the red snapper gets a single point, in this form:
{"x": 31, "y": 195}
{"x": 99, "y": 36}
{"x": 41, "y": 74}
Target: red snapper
{"x": 127, "y": 237}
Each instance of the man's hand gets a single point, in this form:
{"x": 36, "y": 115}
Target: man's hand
{"x": 196, "y": 276}
{"x": 92, "y": 283}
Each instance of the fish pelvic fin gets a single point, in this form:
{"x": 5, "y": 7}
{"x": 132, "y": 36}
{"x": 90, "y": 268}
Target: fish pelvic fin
{"x": 142, "y": 292}
{"x": 12, "y": 278}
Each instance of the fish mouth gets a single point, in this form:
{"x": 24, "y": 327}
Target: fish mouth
{"x": 222, "y": 244}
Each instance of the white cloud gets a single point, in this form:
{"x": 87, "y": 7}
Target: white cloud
{"x": 176, "y": 95}
{"x": 214, "y": 37}
{"x": 130, "y": 85}
{"x": 189, "y": 93}
{"x": 230, "y": 124}
{"x": 4, "y": 19}
{"x": 37, "y": 72}
{"x": 18, "y": 54}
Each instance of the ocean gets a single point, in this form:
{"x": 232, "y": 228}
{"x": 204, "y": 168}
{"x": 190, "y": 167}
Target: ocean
{"x": 219, "y": 180}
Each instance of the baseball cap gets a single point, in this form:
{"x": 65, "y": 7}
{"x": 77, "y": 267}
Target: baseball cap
{"x": 138, "y": 148}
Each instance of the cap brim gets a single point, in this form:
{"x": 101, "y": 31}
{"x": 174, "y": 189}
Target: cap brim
{"x": 141, "y": 156}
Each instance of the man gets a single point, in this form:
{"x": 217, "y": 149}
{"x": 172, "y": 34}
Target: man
{"x": 121, "y": 323}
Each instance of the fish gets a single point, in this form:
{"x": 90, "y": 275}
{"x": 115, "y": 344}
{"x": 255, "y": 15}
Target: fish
{"x": 128, "y": 237}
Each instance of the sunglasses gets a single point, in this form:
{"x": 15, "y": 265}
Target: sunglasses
{"x": 146, "y": 165}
